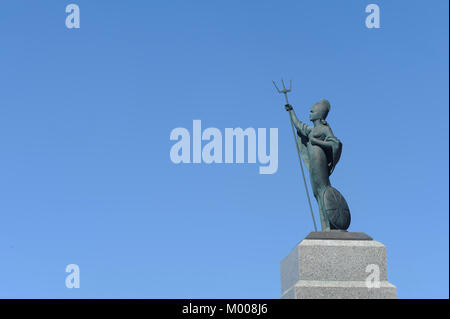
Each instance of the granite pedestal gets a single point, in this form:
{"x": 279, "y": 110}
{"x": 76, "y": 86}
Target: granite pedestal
{"x": 336, "y": 266}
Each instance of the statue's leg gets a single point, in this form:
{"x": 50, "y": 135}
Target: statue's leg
{"x": 318, "y": 194}
{"x": 323, "y": 214}
{"x": 319, "y": 181}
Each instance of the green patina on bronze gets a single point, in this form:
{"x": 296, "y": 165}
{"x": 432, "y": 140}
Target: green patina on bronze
{"x": 320, "y": 150}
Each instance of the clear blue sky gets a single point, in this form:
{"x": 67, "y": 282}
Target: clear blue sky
{"x": 85, "y": 118}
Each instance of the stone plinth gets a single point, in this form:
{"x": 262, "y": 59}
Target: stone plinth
{"x": 336, "y": 268}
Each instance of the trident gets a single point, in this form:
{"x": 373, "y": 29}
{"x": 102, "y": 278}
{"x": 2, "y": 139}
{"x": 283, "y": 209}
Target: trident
{"x": 285, "y": 92}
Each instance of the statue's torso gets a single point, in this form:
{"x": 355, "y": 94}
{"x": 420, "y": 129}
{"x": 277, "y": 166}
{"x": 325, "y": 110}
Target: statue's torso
{"x": 318, "y": 165}
{"x": 318, "y": 162}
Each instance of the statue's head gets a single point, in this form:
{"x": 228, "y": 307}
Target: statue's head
{"x": 319, "y": 111}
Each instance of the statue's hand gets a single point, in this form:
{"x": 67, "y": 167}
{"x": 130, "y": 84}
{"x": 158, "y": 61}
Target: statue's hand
{"x": 288, "y": 107}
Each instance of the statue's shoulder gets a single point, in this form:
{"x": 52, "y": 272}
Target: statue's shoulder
{"x": 323, "y": 130}
{"x": 327, "y": 130}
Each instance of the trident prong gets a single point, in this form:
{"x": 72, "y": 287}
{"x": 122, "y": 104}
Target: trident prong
{"x": 284, "y": 90}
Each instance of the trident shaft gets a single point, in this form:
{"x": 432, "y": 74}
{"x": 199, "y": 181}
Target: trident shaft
{"x": 285, "y": 92}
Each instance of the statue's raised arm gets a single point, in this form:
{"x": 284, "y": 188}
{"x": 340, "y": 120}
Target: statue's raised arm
{"x": 302, "y": 128}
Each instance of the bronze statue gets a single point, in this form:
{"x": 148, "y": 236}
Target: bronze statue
{"x": 320, "y": 150}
